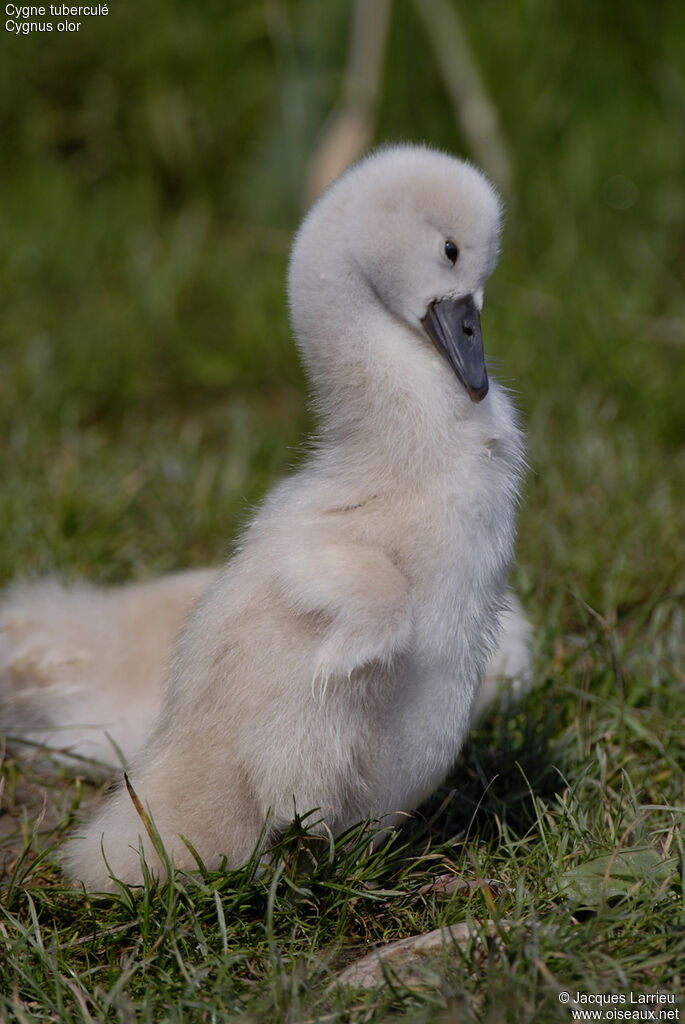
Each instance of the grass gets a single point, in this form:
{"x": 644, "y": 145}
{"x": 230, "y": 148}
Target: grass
{"x": 149, "y": 394}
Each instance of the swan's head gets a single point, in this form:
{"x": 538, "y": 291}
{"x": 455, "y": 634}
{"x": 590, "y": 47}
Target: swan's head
{"x": 413, "y": 231}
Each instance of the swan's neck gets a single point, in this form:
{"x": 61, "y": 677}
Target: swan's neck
{"x": 388, "y": 403}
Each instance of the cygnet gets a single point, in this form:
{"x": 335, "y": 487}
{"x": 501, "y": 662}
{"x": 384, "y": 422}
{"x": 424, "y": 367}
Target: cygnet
{"x": 335, "y": 662}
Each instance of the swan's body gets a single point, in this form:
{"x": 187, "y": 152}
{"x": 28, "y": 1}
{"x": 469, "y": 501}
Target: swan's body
{"x": 335, "y": 661}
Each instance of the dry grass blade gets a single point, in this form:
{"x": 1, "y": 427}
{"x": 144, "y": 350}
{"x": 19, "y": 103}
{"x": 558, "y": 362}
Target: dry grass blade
{"x": 408, "y": 958}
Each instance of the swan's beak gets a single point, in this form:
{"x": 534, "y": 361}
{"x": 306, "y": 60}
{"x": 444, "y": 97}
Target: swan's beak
{"x": 453, "y": 325}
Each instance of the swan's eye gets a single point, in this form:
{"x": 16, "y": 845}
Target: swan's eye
{"x": 451, "y": 251}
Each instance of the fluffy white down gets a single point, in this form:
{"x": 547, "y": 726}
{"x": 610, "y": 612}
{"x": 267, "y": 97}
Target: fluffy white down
{"x": 335, "y": 661}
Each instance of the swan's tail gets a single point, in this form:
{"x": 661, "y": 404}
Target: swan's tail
{"x": 81, "y": 664}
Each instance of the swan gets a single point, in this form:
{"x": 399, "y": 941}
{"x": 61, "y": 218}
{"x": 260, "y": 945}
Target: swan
{"x": 335, "y": 661}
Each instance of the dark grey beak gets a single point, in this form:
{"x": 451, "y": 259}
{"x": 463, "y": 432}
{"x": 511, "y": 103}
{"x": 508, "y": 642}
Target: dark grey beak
{"x": 453, "y": 325}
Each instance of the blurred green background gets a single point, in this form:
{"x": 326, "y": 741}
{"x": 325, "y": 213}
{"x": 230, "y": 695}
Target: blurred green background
{"x": 151, "y": 177}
